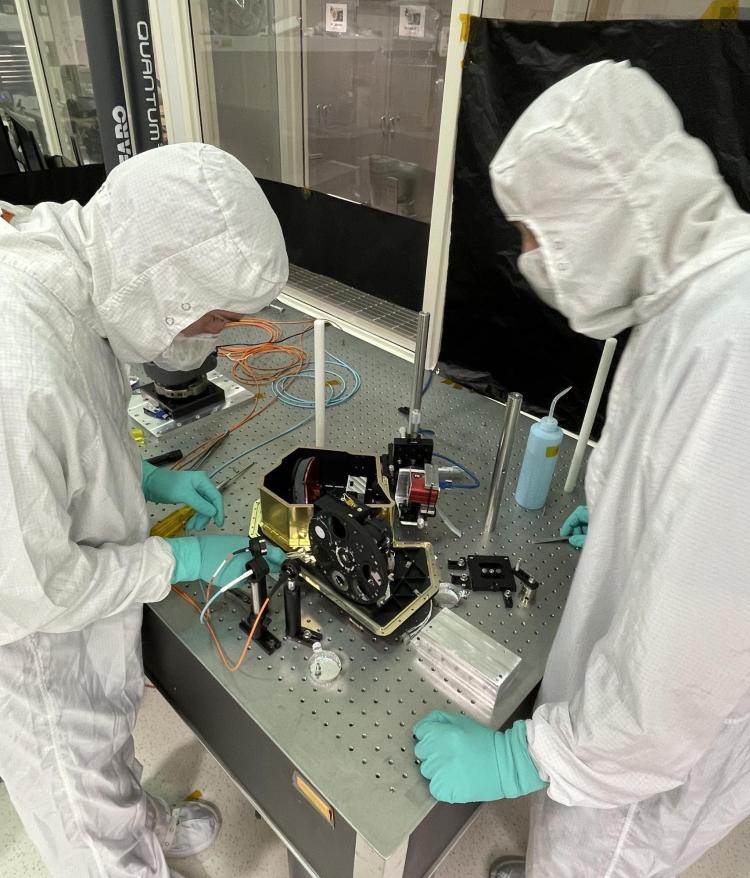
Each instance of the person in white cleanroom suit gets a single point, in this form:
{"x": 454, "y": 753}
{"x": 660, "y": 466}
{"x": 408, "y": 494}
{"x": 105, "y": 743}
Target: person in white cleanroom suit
{"x": 641, "y": 733}
{"x": 171, "y": 237}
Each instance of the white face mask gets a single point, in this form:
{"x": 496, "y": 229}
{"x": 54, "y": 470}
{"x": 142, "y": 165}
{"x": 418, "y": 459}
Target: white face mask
{"x": 532, "y": 266}
{"x": 186, "y": 353}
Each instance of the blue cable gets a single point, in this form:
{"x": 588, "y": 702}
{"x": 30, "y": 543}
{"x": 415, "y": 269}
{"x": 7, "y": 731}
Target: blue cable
{"x": 449, "y": 485}
{"x": 335, "y": 397}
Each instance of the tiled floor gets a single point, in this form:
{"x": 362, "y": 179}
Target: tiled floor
{"x": 175, "y": 764}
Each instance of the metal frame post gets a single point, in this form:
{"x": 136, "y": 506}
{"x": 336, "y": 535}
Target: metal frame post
{"x": 38, "y": 74}
{"x": 289, "y": 79}
{"x": 172, "y": 34}
{"x": 436, "y": 274}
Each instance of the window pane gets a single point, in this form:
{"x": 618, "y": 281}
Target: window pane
{"x": 347, "y": 103}
{"x": 17, "y": 92}
{"x": 62, "y": 45}
{"x": 374, "y": 75}
{"x": 236, "y": 63}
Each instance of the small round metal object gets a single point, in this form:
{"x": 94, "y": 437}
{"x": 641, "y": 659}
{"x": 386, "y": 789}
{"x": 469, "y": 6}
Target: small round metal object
{"x": 195, "y": 388}
{"x": 324, "y": 665}
{"x": 528, "y": 595}
{"x": 339, "y": 580}
{"x": 447, "y": 596}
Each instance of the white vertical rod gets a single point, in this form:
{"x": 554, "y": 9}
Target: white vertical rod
{"x": 591, "y": 409}
{"x": 436, "y": 273}
{"x": 319, "y": 354}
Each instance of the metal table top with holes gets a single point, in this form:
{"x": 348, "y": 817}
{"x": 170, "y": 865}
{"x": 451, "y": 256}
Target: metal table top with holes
{"x": 368, "y": 811}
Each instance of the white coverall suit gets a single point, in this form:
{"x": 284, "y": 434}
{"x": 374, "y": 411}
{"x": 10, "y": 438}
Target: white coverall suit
{"x": 171, "y": 235}
{"x": 642, "y": 726}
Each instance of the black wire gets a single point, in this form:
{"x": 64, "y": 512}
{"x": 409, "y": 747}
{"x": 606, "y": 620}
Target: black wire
{"x": 255, "y": 344}
{"x": 281, "y": 340}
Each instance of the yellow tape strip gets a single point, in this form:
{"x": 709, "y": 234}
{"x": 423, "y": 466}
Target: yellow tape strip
{"x": 314, "y": 798}
{"x": 723, "y": 9}
{"x": 465, "y": 26}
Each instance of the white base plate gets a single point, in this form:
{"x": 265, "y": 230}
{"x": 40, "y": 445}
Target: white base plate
{"x": 233, "y": 395}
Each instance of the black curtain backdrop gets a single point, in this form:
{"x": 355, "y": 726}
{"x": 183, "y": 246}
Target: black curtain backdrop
{"x": 55, "y": 184}
{"x": 371, "y": 250}
{"x": 493, "y": 321}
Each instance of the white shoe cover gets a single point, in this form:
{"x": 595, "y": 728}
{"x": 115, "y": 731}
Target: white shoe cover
{"x": 187, "y": 829}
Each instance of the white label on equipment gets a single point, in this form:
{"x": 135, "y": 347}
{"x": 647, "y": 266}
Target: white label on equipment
{"x": 320, "y": 532}
{"x": 336, "y": 18}
{"x": 411, "y": 21}
{"x": 443, "y": 43}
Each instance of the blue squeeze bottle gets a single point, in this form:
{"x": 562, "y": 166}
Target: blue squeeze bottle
{"x": 540, "y": 459}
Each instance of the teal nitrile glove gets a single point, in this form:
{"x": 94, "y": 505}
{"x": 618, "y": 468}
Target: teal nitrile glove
{"x": 467, "y": 762}
{"x": 576, "y": 526}
{"x": 193, "y": 489}
{"x": 200, "y": 557}
{"x": 275, "y": 557}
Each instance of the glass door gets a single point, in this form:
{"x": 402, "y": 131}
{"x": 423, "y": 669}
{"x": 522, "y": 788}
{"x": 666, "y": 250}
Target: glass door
{"x": 18, "y": 97}
{"x": 373, "y": 73}
{"x": 237, "y": 57}
{"x": 416, "y": 52}
{"x": 345, "y": 95}
{"x": 62, "y": 46}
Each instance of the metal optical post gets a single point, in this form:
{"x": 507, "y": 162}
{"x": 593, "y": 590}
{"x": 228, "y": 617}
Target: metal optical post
{"x": 499, "y": 474}
{"x": 420, "y": 358}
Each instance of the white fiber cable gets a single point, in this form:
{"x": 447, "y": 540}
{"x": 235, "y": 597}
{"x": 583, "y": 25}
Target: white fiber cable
{"x": 246, "y": 575}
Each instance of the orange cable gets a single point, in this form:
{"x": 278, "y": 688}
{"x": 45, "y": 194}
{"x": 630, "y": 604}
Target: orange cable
{"x": 240, "y": 356}
{"x": 222, "y": 655}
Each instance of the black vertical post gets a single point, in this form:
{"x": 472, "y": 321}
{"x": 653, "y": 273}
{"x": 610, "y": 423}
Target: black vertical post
{"x": 292, "y": 607}
{"x": 106, "y": 77}
{"x": 140, "y": 73}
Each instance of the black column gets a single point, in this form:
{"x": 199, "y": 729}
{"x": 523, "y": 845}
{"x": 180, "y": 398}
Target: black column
{"x": 106, "y": 76}
{"x": 140, "y": 72}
